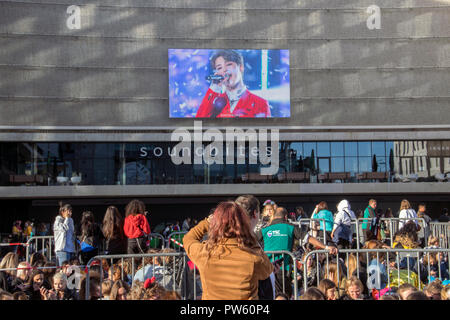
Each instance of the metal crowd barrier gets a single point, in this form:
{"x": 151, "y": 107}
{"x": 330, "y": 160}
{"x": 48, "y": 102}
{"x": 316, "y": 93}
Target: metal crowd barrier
{"x": 292, "y": 267}
{"x": 441, "y": 230}
{"x": 410, "y": 257}
{"x": 46, "y": 248}
{"x": 177, "y": 267}
{"x": 393, "y": 224}
{"x": 154, "y": 237}
{"x": 175, "y": 240}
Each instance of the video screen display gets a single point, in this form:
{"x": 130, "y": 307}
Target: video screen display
{"x": 227, "y": 83}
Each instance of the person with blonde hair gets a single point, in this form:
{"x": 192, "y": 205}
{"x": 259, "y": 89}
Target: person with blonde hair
{"x": 405, "y": 289}
{"x": 106, "y": 288}
{"x": 9, "y": 261}
{"x": 353, "y": 289}
{"x": 23, "y": 274}
{"x": 445, "y": 292}
{"x": 407, "y": 212}
{"x": 433, "y": 290}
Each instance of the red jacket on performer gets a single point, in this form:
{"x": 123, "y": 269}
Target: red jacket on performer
{"x": 248, "y": 106}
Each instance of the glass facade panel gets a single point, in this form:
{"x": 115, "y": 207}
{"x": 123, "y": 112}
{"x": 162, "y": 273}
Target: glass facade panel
{"x": 378, "y": 149}
{"x": 351, "y": 165}
{"x": 309, "y": 148}
{"x": 351, "y": 149}
{"x": 337, "y": 164}
{"x": 365, "y": 164}
{"x": 151, "y": 162}
{"x": 323, "y": 149}
{"x": 364, "y": 149}
{"x": 337, "y": 149}
{"x": 323, "y": 165}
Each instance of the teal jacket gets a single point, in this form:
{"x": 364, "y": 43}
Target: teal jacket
{"x": 368, "y": 213}
{"x": 279, "y": 236}
{"x": 327, "y": 216}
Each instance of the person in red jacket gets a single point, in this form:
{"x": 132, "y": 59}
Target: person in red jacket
{"x": 230, "y": 97}
{"x": 136, "y": 226}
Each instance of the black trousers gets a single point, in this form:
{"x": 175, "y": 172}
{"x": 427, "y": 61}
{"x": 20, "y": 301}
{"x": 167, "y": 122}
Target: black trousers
{"x": 287, "y": 279}
{"x": 136, "y": 245}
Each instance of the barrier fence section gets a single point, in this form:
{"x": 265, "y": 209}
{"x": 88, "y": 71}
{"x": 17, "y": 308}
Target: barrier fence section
{"x": 46, "y": 248}
{"x": 176, "y": 278}
{"x": 384, "y": 266}
{"x": 168, "y": 267}
{"x": 174, "y": 240}
{"x": 441, "y": 230}
{"x": 392, "y": 224}
{"x": 309, "y": 223}
{"x": 156, "y": 239}
{"x": 290, "y": 268}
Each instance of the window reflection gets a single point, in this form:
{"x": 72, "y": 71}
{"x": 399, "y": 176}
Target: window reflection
{"x": 337, "y": 164}
{"x": 365, "y": 164}
{"x": 323, "y": 149}
{"x": 378, "y": 148}
{"x": 351, "y": 149}
{"x": 351, "y": 165}
{"x": 151, "y": 163}
{"x": 337, "y": 149}
{"x": 364, "y": 149}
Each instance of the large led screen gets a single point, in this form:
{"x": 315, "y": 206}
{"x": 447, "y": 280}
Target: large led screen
{"x": 225, "y": 83}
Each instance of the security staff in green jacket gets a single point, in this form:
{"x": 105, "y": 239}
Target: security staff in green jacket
{"x": 368, "y": 213}
{"x": 280, "y": 235}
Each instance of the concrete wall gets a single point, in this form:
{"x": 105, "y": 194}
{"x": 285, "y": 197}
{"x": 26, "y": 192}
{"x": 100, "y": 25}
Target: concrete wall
{"x": 113, "y": 71}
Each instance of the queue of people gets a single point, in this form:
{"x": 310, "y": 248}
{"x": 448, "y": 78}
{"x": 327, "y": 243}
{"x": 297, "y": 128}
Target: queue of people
{"x": 229, "y": 257}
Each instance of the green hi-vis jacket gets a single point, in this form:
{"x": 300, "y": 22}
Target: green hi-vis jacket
{"x": 280, "y": 236}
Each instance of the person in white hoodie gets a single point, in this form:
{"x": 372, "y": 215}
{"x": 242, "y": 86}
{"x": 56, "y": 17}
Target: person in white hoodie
{"x": 64, "y": 233}
{"x": 342, "y": 229}
{"x": 407, "y": 212}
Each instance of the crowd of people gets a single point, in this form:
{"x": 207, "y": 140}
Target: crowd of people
{"x": 227, "y": 256}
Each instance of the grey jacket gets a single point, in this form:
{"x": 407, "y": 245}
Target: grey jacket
{"x": 64, "y": 232}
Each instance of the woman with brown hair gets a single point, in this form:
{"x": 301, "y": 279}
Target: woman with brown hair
{"x": 115, "y": 240}
{"x": 231, "y": 261}
{"x": 90, "y": 237}
{"x": 328, "y": 288}
{"x": 337, "y": 275}
{"x": 136, "y": 226}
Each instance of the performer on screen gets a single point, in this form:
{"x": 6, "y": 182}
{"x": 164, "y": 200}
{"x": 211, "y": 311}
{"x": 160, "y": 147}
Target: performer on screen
{"x": 227, "y": 95}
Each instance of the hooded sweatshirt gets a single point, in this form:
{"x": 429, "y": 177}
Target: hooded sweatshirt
{"x": 64, "y": 233}
{"x": 345, "y": 215}
{"x": 135, "y": 226}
